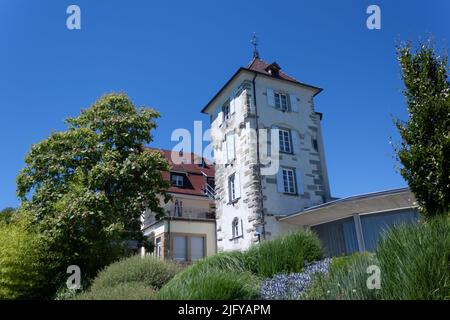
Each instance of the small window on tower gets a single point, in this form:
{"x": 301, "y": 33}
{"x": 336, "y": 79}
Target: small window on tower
{"x": 315, "y": 144}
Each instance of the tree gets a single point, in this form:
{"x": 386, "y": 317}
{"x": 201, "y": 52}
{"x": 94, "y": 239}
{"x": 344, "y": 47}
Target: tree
{"x": 88, "y": 186}
{"x": 6, "y": 214}
{"x": 425, "y": 148}
{"x": 23, "y": 267}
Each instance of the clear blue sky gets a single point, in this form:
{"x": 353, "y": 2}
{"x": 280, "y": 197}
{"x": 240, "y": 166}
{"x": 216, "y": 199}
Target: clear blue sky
{"x": 174, "y": 56}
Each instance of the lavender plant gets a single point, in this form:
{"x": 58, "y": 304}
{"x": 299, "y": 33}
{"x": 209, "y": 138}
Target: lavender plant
{"x": 292, "y": 286}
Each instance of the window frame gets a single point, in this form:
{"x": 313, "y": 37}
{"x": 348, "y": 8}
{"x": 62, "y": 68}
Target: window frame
{"x": 286, "y": 183}
{"x": 277, "y": 96}
{"x": 175, "y": 183}
{"x": 226, "y": 110}
{"x": 232, "y": 190}
{"x": 281, "y": 138}
{"x": 188, "y": 253}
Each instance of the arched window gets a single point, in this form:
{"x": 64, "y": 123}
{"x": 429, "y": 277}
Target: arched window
{"x": 235, "y": 227}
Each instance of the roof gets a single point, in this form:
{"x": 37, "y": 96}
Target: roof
{"x": 259, "y": 66}
{"x": 381, "y": 201}
{"x": 195, "y": 175}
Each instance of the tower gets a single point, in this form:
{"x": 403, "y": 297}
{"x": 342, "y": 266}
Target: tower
{"x": 262, "y": 177}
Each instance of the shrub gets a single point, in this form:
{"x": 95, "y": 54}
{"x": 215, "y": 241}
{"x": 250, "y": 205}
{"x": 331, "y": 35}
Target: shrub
{"x": 292, "y": 286}
{"x": 346, "y": 280}
{"x": 22, "y": 267}
{"x": 211, "y": 285}
{"x": 149, "y": 271}
{"x": 122, "y": 291}
{"x": 233, "y": 261}
{"x": 285, "y": 254}
{"x": 415, "y": 261}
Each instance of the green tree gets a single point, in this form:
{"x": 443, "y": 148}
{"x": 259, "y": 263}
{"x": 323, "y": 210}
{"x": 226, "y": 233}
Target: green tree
{"x": 7, "y": 214}
{"x": 88, "y": 186}
{"x": 425, "y": 148}
{"x": 23, "y": 264}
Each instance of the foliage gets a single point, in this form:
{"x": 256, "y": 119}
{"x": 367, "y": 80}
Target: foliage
{"x": 23, "y": 269}
{"x": 149, "y": 271}
{"x": 122, "y": 291}
{"x": 345, "y": 280}
{"x": 425, "y": 148}
{"x": 88, "y": 186}
{"x": 211, "y": 285}
{"x": 293, "y": 286}
{"x": 415, "y": 261}
{"x": 285, "y": 254}
{"x": 7, "y": 214}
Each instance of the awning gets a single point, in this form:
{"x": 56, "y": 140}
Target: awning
{"x": 382, "y": 201}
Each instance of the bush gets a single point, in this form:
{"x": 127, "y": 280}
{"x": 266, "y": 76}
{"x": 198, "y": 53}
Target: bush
{"x": 415, "y": 261}
{"x": 292, "y": 286}
{"x": 346, "y": 280}
{"x": 22, "y": 267}
{"x": 211, "y": 285}
{"x": 285, "y": 254}
{"x": 122, "y": 291}
{"x": 149, "y": 271}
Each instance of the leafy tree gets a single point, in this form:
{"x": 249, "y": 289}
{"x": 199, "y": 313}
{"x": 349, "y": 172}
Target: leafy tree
{"x": 23, "y": 264}
{"x": 6, "y": 214}
{"x": 88, "y": 186}
{"x": 425, "y": 148}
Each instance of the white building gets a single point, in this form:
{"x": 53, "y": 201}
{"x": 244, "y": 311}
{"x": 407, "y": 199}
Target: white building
{"x": 255, "y": 202}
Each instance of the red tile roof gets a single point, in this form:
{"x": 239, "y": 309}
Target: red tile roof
{"x": 195, "y": 175}
{"x": 260, "y": 66}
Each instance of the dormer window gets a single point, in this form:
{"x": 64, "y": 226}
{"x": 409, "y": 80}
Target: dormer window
{"x": 177, "y": 180}
{"x": 273, "y": 69}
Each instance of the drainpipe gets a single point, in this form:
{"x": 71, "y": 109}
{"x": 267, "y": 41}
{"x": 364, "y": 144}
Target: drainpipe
{"x": 258, "y": 162}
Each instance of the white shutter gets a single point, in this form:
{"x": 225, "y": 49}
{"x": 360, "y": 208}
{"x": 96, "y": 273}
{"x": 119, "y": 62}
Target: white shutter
{"x": 295, "y": 142}
{"x": 237, "y": 184}
{"x": 294, "y": 105}
{"x": 280, "y": 182}
{"x": 230, "y": 147}
{"x": 220, "y": 118}
{"x": 276, "y": 135}
{"x": 227, "y": 189}
{"x": 298, "y": 178}
{"x": 270, "y": 98}
{"x": 232, "y": 104}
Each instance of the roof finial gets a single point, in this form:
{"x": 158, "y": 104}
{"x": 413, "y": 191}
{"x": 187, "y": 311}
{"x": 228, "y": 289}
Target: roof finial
{"x": 254, "y": 42}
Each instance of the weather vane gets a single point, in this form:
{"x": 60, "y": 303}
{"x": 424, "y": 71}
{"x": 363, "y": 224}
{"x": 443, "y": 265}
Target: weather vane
{"x": 254, "y": 42}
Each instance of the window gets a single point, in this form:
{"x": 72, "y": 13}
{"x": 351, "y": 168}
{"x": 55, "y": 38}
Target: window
{"x": 197, "y": 248}
{"x": 180, "y": 248}
{"x": 285, "y": 141}
{"x": 178, "y": 208}
{"x": 281, "y": 101}
{"x": 235, "y": 228}
{"x": 177, "y": 180}
{"x": 232, "y": 187}
{"x": 314, "y": 144}
{"x": 289, "y": 181}
{"x": 226, "y": 110}
{"x": 158, "y": 247}
{"x": 189, "y": 247}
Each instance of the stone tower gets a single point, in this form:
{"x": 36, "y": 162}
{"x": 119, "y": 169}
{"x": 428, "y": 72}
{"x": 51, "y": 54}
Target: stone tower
{"x": 268, "y": 151}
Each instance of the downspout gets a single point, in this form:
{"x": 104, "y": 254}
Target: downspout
{"x": 258, "y": 162}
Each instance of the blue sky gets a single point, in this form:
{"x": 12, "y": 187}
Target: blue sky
{"x": 175, "y": 55}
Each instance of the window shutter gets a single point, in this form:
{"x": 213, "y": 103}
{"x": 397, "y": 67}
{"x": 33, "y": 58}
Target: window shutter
{"x": 298, "y": 178}
{"x": 293, "y": 100}
{"x": 295, "y": 143}
{"x": 227, "y": 190}
{"x": 230, "y": 147}
{"x": 237, "y": 184}
{"x": 220, "y": 118}
{"x": 232, "y": 104}
{"x": 270, "y": 98}
{"x": 280, "y": 182}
